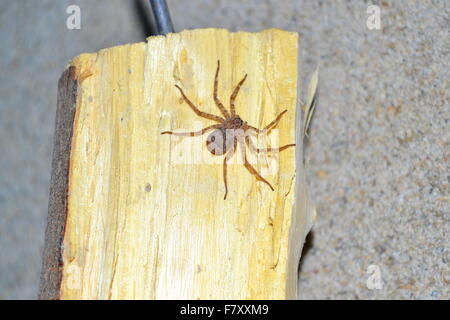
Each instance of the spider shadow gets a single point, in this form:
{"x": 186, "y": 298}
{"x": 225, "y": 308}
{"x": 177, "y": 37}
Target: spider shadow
{"x": 308, "y": 245}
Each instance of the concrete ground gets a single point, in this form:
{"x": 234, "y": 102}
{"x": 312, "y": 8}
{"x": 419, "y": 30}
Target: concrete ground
{"x": 378, "y": 158}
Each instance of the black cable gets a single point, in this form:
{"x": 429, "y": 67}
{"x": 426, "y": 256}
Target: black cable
{"x": 162, "y": 16}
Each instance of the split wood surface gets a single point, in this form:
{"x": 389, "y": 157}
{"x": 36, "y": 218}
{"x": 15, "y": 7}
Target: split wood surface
{"x": 138, "y": 215}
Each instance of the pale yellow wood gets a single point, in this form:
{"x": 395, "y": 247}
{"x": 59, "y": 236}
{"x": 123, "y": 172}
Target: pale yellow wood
{"x": 146, "y": 214}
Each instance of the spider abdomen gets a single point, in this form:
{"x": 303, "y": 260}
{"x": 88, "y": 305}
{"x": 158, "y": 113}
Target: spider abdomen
{"x": 220, "y": 141}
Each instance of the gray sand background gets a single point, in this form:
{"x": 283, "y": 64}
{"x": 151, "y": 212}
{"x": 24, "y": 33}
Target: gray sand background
{"x": 378, "y": 158}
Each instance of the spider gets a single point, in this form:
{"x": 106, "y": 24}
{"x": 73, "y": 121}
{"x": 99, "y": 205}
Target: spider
{"x": 230, "y": 131}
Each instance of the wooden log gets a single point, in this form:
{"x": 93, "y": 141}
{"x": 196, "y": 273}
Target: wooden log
{"x": 134, "y": 214}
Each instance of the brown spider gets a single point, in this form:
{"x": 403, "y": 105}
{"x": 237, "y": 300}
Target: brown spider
{"x": 230, "y": 130}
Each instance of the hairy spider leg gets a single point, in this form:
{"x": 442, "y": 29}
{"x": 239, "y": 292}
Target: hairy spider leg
{"x": 234, "y": 95}
{"x": 250, "y": 168}
{"x": 258, "y": 150}
{"x": 197, "y": 111}
{"x": 228, "y": 157}
{"x": 193, "y": 133}
{"x": 267, "y": 129}
{"x": 216, "y": 98}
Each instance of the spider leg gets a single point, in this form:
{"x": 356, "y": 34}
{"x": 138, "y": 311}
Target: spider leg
{"x": 258, "y": 150}
{"x": 197, "y": 111}
{"x": 216, "y": 98}
{"x": 194, "y": 133}
{"x": 270, "y": 126}
{"x": 250, "y": 168}
{"x": 234, "y": 95}
{"x": 227, "y": 157}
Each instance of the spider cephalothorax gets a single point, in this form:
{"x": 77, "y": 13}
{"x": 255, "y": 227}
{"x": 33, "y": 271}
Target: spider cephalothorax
{"x": 230, "y": 131}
